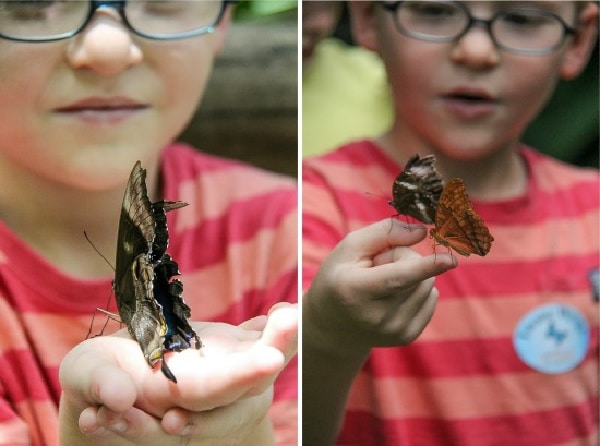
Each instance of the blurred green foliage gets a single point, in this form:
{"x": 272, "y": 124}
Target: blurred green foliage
{"x": 569, "y": 125}
{"x": 255, "y": 9}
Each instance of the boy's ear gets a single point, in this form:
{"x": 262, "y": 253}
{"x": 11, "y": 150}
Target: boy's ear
{"x": 582, "y": 43}
{"x": 221, "y": 31}
{"x": 362, "y": 20}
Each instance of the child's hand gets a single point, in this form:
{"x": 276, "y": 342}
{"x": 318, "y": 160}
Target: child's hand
{"x": 222, "y": 396}
{"x": 372, "y": 291}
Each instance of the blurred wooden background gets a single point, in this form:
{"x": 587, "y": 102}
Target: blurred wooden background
{"x": 250, "y": 109}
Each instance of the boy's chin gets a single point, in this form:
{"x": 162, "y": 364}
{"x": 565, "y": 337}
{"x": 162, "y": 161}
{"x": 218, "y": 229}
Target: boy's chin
{"x": 470, "y": 153}
{"x": 94, "y": 168}
{"x": 471, "y": 146}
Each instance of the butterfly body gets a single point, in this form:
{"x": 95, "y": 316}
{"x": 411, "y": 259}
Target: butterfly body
{"x": 457, "y": 226}
{"x": 148, "y": 298}
{"x": 417, "y": 189}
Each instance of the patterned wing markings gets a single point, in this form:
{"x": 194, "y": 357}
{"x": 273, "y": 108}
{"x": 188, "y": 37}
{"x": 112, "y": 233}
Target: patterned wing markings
{"x": 457, "y": 226}
{"x": 148, "y": 297}
{"x": 417, "y": 189}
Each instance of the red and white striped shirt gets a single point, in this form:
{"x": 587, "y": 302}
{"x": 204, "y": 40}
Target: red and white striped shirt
{"x": 461, "y": 383}
{"x": 236, "y": 248}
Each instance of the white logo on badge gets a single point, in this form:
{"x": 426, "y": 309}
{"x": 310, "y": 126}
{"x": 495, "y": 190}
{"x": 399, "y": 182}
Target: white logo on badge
{"x": 553, "y": 338}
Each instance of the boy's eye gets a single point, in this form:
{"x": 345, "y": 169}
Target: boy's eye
{"x": 158, "y": 6}
{"x": 39, "y": 10}
{"x": 25, "y": 9}
{"x": 439, "y": 10}
{"x": 7, "y": 4}
{"x": 526, "y": 19}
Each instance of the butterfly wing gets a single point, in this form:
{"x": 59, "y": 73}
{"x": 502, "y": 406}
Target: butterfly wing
{"x": 161, "y": 239}
{"x": 465, "y": 234}
{"x": 416, "y": 190}
{"x": 148, "y": 298}
{"x": 180, "y": 335}
{"x": 476, "y": 232}
{"x": 146, "y": 323}
{"x": 457, "y": 226}
{"x": 134, "y": 281}
{"x": 167, "y": 290}
{"x": 135, "y": 237}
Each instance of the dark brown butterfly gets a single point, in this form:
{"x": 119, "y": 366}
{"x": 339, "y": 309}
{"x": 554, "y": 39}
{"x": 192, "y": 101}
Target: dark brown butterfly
{"x": 417, "y": 189}
{"x": 457, "y": 226}
{"x": 148, "y": 298}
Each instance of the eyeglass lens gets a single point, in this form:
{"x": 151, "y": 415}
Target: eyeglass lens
{"x": 39, "y": 19}
{"x": 517, "y": 28}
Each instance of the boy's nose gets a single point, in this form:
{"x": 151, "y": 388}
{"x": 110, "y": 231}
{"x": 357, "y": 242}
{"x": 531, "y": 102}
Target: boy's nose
{"x": 476, "y": 49}
{"x": 105, "y": 45}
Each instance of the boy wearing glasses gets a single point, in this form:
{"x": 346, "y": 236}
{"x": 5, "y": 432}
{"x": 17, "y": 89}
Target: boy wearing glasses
{"x": 510, "y": 354}
{"x": 86, "y": 89}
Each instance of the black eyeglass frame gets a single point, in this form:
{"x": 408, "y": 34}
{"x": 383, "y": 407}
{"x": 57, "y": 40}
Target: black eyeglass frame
{"x": 487, "y": 24}
{"x": 119, "y": 6}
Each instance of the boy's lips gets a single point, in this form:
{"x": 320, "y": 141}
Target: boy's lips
{"x": 469, "y": 103}
{"x": 102, "y": 109}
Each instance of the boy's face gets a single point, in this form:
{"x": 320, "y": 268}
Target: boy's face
{"x": 468, "y": 99}
{"x": 81, "y": 111}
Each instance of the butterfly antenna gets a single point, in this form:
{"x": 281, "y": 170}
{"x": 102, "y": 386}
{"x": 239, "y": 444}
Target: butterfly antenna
{"x": 98, "y": 252}
{"x": 378, "y": 196}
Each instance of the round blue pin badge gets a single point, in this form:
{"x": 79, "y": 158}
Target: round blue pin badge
{"x": 552, "y": 338}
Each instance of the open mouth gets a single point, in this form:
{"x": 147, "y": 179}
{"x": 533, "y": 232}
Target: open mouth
{"x": 469, "y": 103}
{"x": 477, "y": 97}
{"x": 469, "y": 98}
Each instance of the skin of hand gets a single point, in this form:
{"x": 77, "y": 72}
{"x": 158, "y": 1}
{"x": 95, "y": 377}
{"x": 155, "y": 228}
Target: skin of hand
{"x": 373, "y": 291}
{"x": 224, "y": 390}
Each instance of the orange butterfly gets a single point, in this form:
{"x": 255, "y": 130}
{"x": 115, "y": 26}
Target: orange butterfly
{"x": 457, "y": 226}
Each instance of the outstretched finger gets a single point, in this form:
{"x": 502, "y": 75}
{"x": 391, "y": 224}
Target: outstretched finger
{"x": 380, "y": 236}
{"x": 216, "y": 379}
{"x": 385, "y": 278}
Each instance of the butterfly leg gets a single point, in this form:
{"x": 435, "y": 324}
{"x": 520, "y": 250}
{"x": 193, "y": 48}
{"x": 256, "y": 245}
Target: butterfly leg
{"x": 109, "y": 316}
{"x": 164, "y": 368}
{"x": 435, "y": 242}
{"x": 449, "y": 252}
{"x": 451, "y": 255}
{"x": 407, "y": 223}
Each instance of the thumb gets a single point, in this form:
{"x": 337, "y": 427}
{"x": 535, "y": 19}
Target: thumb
{"x": 281, "y": 330}
{"x": 91, "y": 376}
